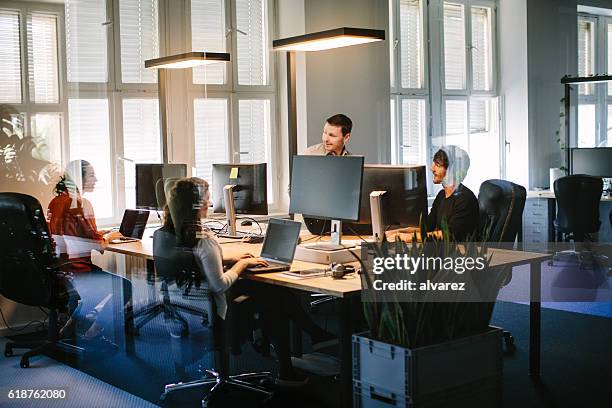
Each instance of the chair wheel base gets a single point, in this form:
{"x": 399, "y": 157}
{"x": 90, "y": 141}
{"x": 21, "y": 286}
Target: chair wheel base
{"x": 24, "y": 363}
{"x": 8, "y": 351}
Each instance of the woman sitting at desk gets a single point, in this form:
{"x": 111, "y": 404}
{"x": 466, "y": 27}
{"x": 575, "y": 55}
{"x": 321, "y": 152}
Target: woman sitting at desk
{"x": 72, "y": 225}
{"x": 187, "y": 204}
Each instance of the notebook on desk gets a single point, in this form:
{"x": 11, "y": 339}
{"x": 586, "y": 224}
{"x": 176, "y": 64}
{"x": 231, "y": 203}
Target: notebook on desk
{"x": 279, "y": 245}
{"x": 132, "y": 226}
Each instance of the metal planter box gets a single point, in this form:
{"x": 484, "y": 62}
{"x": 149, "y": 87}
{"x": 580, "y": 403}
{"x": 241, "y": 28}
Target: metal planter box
{"x": 418, "y": 374}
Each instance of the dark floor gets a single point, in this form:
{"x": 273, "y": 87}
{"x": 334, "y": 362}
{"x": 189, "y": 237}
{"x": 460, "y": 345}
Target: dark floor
{"x": 576, "y": 358}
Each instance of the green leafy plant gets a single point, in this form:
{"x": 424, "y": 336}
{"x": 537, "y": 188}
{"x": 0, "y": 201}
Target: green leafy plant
{"x": 414, "y": 319}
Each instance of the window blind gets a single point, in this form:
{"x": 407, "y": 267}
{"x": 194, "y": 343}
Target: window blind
{"x": 481, "y": 49}
{"x": 10, "y": 57}
{"x": 586, "y": 53}
{"x": 413, "y": 131}
{"x": 211, "y": 134}
{"x": 86, "y": 47}
{"x": 454, "y": 46}
{"x": 139, "y": 40}
{"x": 42, "y": 58}
{"x": 141, "y": 140}
{"x": 252, "y": 48}
{"x": 89, "y": 132}
{"x": 456, "y": 123}
{"x": 208, "y": 34}
{"x": 255, "y": 135}
{"x": 411, "y": 44}
{"x": 609, "y": 67}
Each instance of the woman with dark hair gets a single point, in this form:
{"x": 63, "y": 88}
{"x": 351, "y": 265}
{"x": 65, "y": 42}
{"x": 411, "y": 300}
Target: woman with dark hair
{"x": 72, "y": 225}
{"x": 186, "y": 205}
{"x": 71, "y": 217}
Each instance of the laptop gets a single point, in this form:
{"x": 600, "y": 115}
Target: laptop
{"x": 132, "y": 226}
{"x": 279, "y": 245}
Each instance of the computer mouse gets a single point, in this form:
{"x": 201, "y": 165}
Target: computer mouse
{"x": 246, "y": 223}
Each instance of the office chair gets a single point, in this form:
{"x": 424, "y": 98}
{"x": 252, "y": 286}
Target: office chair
{"x": 29, "y": 272}
{"x": 175, "y": 264}
{"x": 150, "y": 312}
{"x": 578, "y": 199}
{"x": 501, "y": 206}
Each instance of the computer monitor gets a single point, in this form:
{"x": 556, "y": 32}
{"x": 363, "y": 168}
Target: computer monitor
{"x": 251, "y": 187}
{"x": 403, "y": 204}
{"x": 595, "y": 161}
{"x": 327, "y": 187}
{"x": 239, "y": 189}
{"x": 147, "y": 176}
{"x": 405, "y": 198}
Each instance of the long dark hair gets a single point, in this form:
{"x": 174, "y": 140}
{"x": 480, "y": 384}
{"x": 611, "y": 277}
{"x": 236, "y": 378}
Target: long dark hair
{"x": 181, "y": 213}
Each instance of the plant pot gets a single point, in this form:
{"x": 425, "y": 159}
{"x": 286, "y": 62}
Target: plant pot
{"x": 386, "y": 375}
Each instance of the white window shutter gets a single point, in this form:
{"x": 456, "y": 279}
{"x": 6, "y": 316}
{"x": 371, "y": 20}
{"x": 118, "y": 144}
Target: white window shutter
{"x": 86, "y": 47}
{"x": 586, "y": 53}
{"x": 89, "y": 133}
{"x": 42, "y": 58}
{"x": 454, "y": 46}
{"x": 411, "y": 44}
{"x": 141, "y": 140}
{"x": 208, "y": 34}
{"x": 139, "y": 40}
{"x": 481, "y": 49}
{"x": 211, "y": 134}
{"x": 10, "y": 58}
{"x": 413, "y": 131}
{"x": 252, "y": 41}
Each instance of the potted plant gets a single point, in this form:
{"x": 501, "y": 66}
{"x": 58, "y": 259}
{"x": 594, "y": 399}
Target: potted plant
{"x": 422, "y": 347}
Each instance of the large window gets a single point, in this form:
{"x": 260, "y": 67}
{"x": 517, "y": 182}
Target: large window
{"x": 443, "y": 83}
{"x": 595, "y": 100}
{"x": 233, "y": 104}
{"x": 75, "y": 73}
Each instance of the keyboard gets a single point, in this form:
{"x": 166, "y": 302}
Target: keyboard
{"x": 272, "y": 267}
{"x": 123, "y": 240}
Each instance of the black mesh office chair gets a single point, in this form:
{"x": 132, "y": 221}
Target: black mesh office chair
{"x": 29, "y": 273}
{"x": 501, "y": 205}
{"x": 176, "y": 264}
{"x": 578, "y": 198}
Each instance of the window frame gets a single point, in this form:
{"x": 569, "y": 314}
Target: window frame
{"x": 434, "y": 91}
{"x": 600, "y": 97}
{"x": 233, "y": 93}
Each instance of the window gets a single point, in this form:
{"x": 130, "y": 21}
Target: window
{"x": 113, "y": 109}
{"x": 10, "y": 57}
{"x": 443, "y": 86}
{"x": 30, "y": 91}
{"x": 594, "y": 100}
{"x": 233, "y": 103}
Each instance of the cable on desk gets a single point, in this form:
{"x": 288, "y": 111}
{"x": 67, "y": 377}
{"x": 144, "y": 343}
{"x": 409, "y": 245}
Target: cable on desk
{"x": 252, "y": 219}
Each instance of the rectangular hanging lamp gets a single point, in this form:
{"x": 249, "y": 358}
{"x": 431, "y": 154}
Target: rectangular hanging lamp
{"x": 187, "y": 60}
{"x": 325, "y": 40}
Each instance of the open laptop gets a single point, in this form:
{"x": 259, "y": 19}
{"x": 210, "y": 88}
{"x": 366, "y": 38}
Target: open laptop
{"x": 132, "y": 226}
{"x": 279, "y": 245}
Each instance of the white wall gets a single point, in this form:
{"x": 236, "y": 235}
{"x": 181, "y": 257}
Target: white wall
{"x": 513, "y": 87}
{"x": 351, "y": 80}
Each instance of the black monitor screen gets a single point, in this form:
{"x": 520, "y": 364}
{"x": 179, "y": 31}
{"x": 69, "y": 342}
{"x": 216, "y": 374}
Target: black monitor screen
{"x": 250, "y": 191}
{"x": 134, "y": 223}
{"x": 147, "y": 177}
{"x": 592, "y": 161}
{"x": 327, "y": 187}
{"x": 405, "y": 200}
